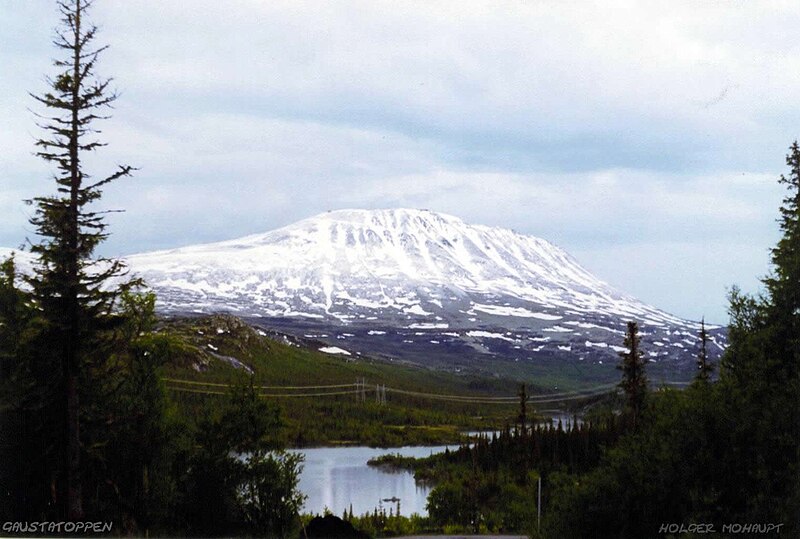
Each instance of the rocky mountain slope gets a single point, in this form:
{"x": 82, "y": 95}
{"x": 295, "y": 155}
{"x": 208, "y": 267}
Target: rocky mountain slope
{"x": 423, "y": 287}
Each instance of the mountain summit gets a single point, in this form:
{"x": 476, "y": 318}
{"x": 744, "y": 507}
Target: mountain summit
{"x": 399, "y": 261}
{"x": 416, "y": 284}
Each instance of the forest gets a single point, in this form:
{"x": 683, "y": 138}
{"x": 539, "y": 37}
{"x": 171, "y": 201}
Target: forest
{"x": 94, "y": 427}
{"x": 720, "y": 457}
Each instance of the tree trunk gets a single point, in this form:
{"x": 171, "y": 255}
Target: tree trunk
{"x": 74, "y": 497}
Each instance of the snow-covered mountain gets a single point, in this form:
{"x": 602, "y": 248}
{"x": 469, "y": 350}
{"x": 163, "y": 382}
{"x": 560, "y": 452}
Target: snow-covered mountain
{"x": 397, "y": 263}
{"x": 417, "y": 285}
{"x": 424, "y": 287}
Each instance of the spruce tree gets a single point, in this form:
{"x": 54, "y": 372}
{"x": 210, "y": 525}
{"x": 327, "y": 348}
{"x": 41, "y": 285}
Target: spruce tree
{"x": 523, "y": 410}
{"x": 783, "y": 322}
{"x": 783, "y": 285}
{"x": 704, "y": 366}
{"x": 760, "y": 373}
{"x": 634, "y": 380}
{"x": 68, "y": 283}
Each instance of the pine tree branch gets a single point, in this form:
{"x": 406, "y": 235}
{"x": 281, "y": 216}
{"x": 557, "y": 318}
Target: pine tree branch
{"x": 124, "y": 170}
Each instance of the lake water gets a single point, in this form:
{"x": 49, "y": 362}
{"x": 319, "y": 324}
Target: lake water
{"x": 336, "y": 477}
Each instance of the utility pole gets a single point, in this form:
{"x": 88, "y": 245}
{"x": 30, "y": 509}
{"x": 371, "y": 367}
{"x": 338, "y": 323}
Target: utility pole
{"x": 380, "y": 393}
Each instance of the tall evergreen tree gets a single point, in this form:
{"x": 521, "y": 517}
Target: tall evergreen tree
{"x": 634, "y": 380}
{"x": 783, "y": 285}
{"x": 782, "y": 315}
{"x": 726, "y": 453}
{"x": 68, "y": 284}
{"x": 761, "y": 373}
{"x": 704, "y": 366}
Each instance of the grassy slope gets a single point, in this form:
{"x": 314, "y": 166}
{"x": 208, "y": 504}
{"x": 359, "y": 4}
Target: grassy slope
{"x": 331, "y": 419}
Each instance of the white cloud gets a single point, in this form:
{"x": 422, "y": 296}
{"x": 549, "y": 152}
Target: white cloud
{"x": 561, "y": 67}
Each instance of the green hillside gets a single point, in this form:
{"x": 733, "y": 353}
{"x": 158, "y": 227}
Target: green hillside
{"x": 212, "y": 352}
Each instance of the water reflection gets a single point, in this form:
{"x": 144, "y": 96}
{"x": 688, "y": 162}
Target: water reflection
{"x": 338, "y": 477}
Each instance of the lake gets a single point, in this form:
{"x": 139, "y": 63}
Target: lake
{"x": 336, "y": 477}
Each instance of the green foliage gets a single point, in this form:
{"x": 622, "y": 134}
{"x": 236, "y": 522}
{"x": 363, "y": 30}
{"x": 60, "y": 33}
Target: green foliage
{"x": 20, "y": 464}
{"x": 481, "y": 502}
{"x": 634, "y": 380}
{"x": 381, "y": 524}
{"x": 15, "y": 315}
{"x": 145, "y": 465}
{"x": 69, "y": 342}
{"x": 723, "y": 452}
{"x": 762, "y": 372}
{"x": 141, "y": 439}
{"x": 237, "y": 480}
{"x": 784, "y": 284}
{"x": 666, "y": 472}
{"x": 403, "y": 420}
{"x": 491, "y": 485}
{"x": 704, "y": 366}
{"x": 268, "y": 492}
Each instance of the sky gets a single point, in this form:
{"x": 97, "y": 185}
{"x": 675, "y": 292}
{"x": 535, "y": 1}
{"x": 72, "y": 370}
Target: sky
{"x": 645, "y": 138}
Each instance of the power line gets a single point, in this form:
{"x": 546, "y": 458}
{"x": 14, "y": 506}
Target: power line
{"x": 564, "y": 399}
{"x": 192, "y": 382}
{"x": 576, "y": 391}
{"x": 360, "y": 389}
{"x": 187, "y": 390}
{"x": 381, "y": 390}
{"x": 290, "y": 395}
{"x": 273, "y": 395}
{"x": 457, "y": 398}
{"x": 579, "y": 393}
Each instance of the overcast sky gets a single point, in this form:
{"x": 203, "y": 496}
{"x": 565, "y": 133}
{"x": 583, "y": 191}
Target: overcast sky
{"x": 645, "y": 138}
